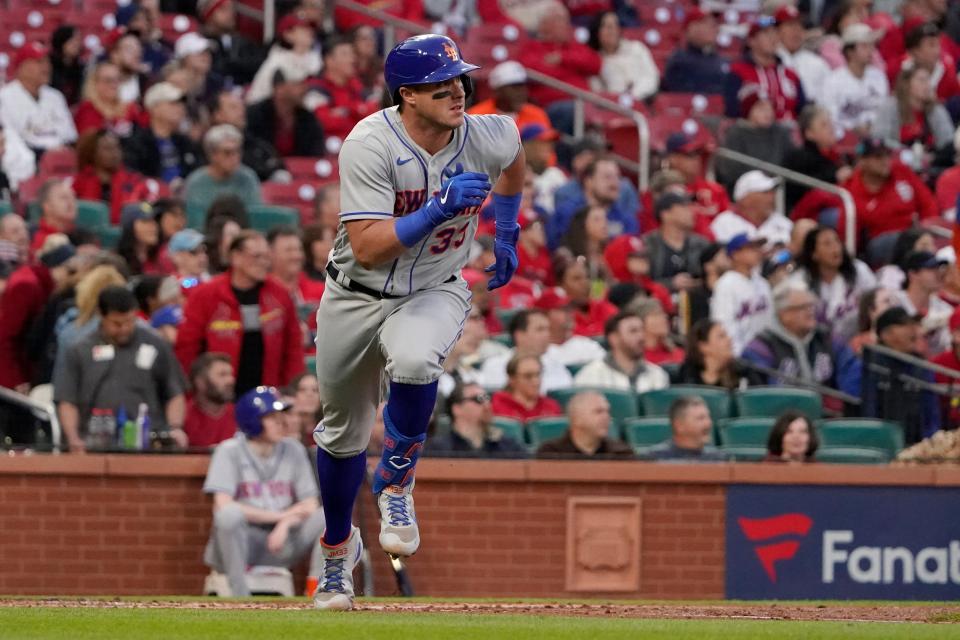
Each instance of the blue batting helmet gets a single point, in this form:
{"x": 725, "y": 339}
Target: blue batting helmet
{"x": 254, "y": 405}
{"x": 425, "y": 59}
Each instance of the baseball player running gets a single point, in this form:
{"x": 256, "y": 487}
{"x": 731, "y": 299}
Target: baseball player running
{"x": 413, "y": 177}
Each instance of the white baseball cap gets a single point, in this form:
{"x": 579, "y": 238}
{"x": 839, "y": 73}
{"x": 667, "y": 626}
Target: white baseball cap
{"x": 162, "y": 92}
{"x": 189, "y": 44}
{"x": 860, "y": 33}
{"x": 507, "y": 73}
{"x": 753, "y": 182}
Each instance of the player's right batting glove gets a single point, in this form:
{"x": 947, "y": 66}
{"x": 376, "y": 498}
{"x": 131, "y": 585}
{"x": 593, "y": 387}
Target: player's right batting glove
{"x": 460, "y": 191}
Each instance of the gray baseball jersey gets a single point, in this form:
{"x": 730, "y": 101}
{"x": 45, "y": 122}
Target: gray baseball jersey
{"x": 385, "y": 174}
{"x": 273, "y": 483}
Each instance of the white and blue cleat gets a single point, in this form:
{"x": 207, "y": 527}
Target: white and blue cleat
{"x": 399, "y": 534}
{"x": 335, "y": 588}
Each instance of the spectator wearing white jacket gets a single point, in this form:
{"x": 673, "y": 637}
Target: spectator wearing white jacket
{"x": 853, "y": 93}
{"x": 31, "y": 108}
{"x": 624, "y": 367}
{"x": 810, "y": 66}
{"x": 294, "y": 48}
{"x": 741, "y": 300}
{"x": 530, "y": 331}
{"x": 628, "y": 67}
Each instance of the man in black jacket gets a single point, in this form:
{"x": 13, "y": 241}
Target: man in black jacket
{"x": 234, "y": 56}
{"x": 158, "y": 150}
{"x": 258, "y": 154}
{"x": 817, "y": 157}
{"x": 282, "y": 121}
{"x": 472, "y": 433}
{"x": 673, "y": 249}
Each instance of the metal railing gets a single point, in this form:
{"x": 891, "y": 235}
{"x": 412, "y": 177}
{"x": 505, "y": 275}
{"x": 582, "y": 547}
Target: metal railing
{"x": 849, "y": 207}
{"x": 579, "y": 96}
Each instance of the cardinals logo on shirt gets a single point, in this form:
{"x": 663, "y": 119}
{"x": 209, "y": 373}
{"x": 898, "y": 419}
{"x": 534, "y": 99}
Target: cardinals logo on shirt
{"x": 904, "y": 190}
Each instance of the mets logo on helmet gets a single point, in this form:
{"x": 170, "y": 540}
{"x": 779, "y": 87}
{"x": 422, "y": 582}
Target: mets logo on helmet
{"x": 450, "y": 51}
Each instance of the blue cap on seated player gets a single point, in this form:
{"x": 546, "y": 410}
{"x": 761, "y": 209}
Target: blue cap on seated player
{"x": 187, "y": 240}
{"x": 254, "y": 406}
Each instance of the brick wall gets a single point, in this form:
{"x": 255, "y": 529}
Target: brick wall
{"x": 138, "y": 524}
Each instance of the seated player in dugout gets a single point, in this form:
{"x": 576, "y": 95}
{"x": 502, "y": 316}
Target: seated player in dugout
{"x": 412, "y": 180}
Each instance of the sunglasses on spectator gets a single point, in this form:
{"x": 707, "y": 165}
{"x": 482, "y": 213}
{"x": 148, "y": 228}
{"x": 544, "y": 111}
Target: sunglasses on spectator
{"x": 480, "y": 398}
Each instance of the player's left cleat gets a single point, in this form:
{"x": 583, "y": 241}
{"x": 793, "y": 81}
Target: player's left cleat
{"x": 335, "y": 591}
{"x": 399, "y": 534}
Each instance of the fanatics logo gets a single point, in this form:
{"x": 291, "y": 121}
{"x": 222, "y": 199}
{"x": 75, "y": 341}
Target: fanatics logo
{"x": 764, "y": 529}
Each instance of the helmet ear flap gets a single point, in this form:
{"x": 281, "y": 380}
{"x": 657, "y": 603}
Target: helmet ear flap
{"x": 467, "y": 83}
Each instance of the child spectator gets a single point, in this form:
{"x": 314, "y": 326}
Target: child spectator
{"x": 741, "y": 300}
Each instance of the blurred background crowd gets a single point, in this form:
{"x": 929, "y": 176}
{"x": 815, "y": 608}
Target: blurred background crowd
{"x": 169, "y": 189}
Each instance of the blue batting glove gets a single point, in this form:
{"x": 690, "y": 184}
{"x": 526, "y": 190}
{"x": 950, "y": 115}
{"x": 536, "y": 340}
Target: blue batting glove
{"x": 461, "y": 191}
{"x": 505, "y": 251}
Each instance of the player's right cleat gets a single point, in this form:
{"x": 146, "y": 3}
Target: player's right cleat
{"x": 399, "y": 534}
{"x": 335, "y": 588}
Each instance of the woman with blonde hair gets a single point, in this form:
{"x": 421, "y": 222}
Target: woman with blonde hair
{"x": 79, "y": 322}
{"x": 913, "y": 115}
{"x": 102, "y": 107}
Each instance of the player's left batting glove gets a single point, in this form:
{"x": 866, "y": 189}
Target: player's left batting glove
{"x": 505, "y": 251}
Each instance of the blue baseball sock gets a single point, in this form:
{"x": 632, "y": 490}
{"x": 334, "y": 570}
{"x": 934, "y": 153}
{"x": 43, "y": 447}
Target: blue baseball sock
{"x": 405, "y": 419}
{"x": 340, "y": 480}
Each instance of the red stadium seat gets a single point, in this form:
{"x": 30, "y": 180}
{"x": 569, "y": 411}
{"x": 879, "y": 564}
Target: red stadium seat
{"x": 299, "y": 195}
{"x": 318, "y": 170}
{"x": 58, "y": 163}
{"x": 495, "y": 34}
{"x": 174, "y": 26}
{"x": 694, "y": 104}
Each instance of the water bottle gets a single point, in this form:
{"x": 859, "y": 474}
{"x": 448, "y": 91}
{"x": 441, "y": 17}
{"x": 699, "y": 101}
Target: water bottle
{"x": 130, "y": 437}
{"x": 120, "y": 426}
{"x": 95, "y": 428}
{"x": 143, "y": 426}
{"x": 108, "y": 432}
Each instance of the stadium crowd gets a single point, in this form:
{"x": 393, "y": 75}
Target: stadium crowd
{"x": 149, "y": 254}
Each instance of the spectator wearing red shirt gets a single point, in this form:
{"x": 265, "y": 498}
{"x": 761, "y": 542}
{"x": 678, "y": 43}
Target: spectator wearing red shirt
{"x": 139, "y": 242}
{"x": 658, "y": 346}
{"x": 338, "y": 96}
{"x": 535, "y": 261}
{"x": 687, "y": 155}
{"x": 58, "y": 211}
{"x": 521, "y": 400}
{"x": 628, "y": 260}
{"x": 25, "y": 296}
{"x": 557, "y": 54}
{"x": 889, "y": 196}
{"x": 102, "y": 107}
{"x": 283, "y": 122}
{"x": 760, "y": 70}
{"x": 948, "y": 184}
{"x": 102, "y": 176}
{"x": 287, "y": 261}
{"x": 951, "y": 360}
{"x": 347, "y": 20}
{"x": 924, "y": 50}
{"x": 589, "y": 314}
{"x": 248, "y": 316}
{"x": 209, "y": 417}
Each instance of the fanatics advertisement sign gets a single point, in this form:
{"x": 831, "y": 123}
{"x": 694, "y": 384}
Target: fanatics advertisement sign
{"x": 812, "y": 542}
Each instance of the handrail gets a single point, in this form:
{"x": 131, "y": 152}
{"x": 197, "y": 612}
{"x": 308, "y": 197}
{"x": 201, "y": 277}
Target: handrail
{"x": 391, "y": 23}
{"x": 15, "y": 397}
{"x": 849, "y": 207}
{"x": 800, "y": 382}
{"x": 913, "y": 360}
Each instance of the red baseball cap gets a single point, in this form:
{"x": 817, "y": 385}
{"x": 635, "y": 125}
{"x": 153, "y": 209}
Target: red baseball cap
{"x": 552, "y": 299}
{"x": 786, "y": 13}
{"x": 695, "y": 14}
{"x": 761, "y": 23}
{"x": 292, "y": 21}
{"x": 29, "y": 51}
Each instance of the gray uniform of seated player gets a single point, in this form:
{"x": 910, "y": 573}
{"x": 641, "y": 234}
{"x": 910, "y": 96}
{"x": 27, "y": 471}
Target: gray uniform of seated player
{"x": 273, "y": 484}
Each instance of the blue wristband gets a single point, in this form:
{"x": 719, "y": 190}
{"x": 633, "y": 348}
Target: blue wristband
{"x": 414, "y": 227}
{"x": 506, "y": 209}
